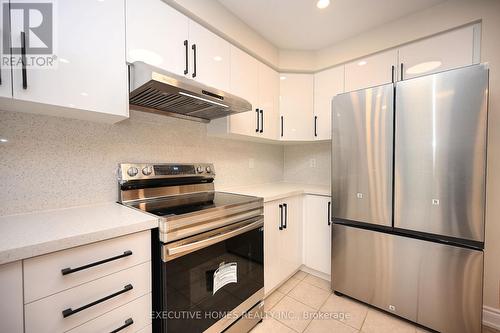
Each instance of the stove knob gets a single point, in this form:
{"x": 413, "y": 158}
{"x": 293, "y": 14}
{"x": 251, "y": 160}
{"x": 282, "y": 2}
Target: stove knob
{"x": 132, "y": 171}
{"x": 199, "y": 169}
{"x": 146, "y": 171}
{"x": 208, "y": 169}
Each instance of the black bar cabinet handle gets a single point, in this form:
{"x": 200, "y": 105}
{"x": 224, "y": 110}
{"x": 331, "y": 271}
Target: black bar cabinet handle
{"x": 257, "y": 126}
{"x": 401, "y": 71}
{"x": 127, "y": 323}
{"x": 315, "y": 126}
{"x": 194, "y": 59}
{"x": 281, "y": 217}
{"x": 186, "y": 70}
{"x": 329, "y": 207}
{"x": 69, "y": 312}
{"x": 23, "y": 60}
{"x": 69, "y": 270}
{"x": 285, "y": 207}
{"x": 261, "y": 121}
{"x": 392, "y": 73}
{"x": 281, "y": 126}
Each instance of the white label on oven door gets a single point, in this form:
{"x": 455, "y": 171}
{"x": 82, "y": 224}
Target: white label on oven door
{"x": 225, "y": 274}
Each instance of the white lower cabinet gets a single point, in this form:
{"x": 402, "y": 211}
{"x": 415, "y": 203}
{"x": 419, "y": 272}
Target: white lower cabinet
{"x": 317, "y": 233}
{"x": 11, "y": 299}
{"x": 282, "y": 240}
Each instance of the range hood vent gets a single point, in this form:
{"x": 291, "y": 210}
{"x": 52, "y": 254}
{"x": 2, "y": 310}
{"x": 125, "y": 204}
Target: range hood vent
{"x": 157, "y": 91}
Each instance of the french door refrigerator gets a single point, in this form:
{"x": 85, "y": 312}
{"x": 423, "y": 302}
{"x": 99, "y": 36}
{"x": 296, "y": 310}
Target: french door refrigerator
{"x": 408, "y": 193}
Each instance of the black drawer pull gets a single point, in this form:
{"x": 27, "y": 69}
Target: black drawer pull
{"x": 257, "y": 127}
{"x": 69, "y": 270}
{"x": 69, "y": 312}
{"x": 315, "y": 126}
{"x": 187, "y": 63}
{"x": 281, "y": 126}
{"x": 402, "y": 71}
{"x": 281, "y": 217}
{"x": 128, "y": 322}
{"x": 193, "y": 47}
{"x": 261, "y": 121}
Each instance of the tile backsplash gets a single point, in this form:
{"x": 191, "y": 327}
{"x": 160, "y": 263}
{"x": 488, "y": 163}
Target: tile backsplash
{"x": 52, "y": 162}
{"x": 308, "y": 163}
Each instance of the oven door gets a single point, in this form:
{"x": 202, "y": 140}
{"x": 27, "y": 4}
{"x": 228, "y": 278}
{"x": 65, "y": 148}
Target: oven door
{"x": 211, "y": 279}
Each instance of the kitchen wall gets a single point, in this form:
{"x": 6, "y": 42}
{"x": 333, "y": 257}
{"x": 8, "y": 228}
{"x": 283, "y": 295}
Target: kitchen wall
{"x": 52, "y": 162}
{"x": 308, "y": 163}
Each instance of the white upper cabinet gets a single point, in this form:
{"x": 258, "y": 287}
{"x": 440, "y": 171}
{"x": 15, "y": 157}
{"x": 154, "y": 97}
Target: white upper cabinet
{"x": 269, "y": 90}
{"x": 158, "y": 35}
{"x": 244, "y": 84}
{"x": 296, "y": 107}
{"x": 447, "y": 51}
{"x": 371, "y": 71}
{"x": 210, "y": 57}
{"x": 90, "y": 72}
{"x": 5, "y": 84}
{"x": 327, "y": 84}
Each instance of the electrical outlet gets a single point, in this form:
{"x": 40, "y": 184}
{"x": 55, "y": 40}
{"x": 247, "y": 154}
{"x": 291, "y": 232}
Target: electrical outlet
{"x": 312, "y": 162}
{"x": 251, "y": 163}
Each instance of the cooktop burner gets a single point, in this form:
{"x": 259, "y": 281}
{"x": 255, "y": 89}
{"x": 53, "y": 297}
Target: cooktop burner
{"x": 189, "y": 203}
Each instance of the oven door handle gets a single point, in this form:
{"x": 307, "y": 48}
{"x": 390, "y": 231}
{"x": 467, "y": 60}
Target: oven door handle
{"x": 196, "y": 245}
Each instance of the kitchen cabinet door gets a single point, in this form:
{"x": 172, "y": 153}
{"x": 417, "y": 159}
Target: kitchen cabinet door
{"x": 371, "y": 71}
{"x": 11, "y": 289}
{"x": 245, "y": 84}
{"x": 296, "y": 107}
{"x": 210, "y": 57}
{"x": 157, "y": 35}
{"x": 5, "y": 83}
{"x": 291, "y": 241}
{"x": 443, "y": 52}
{"x": 91, "y": 72}
{"x": 327, "y": 84}
{"x": 317, "y": 233}
{"x": 272, "y": 246}
{"x": 269, "y": 90}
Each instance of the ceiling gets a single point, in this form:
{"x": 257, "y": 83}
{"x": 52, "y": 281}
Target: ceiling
{"x": 300, "y": 25}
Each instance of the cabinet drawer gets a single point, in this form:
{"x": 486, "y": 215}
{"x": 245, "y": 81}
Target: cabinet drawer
{"x": 48, "y": 268}
{"x": 131, "y": 317}
{"x": 46, "y": 315}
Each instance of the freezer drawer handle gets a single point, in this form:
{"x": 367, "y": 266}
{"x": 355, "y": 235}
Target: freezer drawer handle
{"x": 193, "y": 246}
{"x": 127, "y": 323}
{"x": 281, "y": 217}
{"x": 69, "y": 312}
{"x": 329, "y": 209}
{"x": 285, "y": 207}
{"x": 69, "y": 270}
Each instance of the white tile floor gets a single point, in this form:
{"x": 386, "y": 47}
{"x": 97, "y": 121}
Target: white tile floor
{"x": 305, "y": 303}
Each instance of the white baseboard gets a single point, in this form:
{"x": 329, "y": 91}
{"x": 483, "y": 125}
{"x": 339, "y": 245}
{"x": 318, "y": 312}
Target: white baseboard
{"x": 491, "y": 317}
{"x": 315, "y": 273}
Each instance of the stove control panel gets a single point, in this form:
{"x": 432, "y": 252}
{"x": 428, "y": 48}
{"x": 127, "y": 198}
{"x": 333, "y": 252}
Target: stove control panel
{"x": 140, "y": 171}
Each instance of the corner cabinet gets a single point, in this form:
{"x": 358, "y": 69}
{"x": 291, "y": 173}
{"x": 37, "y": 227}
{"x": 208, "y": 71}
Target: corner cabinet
{"x": 258, "y": 84}
{"x": 296, "y": 107}
{"x": 89, "y": 40}
{"x": 317, "y": 233}
{"x": 327, "y": 84}
{"x": 282, "y": 240}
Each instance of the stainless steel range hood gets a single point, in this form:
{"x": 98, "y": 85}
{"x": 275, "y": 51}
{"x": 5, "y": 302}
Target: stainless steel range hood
{"x": 161, "y": 92}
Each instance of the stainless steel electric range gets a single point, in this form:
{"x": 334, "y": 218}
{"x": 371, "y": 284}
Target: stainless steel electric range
{"x": 208, "y": 252}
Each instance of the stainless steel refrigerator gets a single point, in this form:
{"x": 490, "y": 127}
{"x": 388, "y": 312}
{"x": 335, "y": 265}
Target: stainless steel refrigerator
{"x": 408, "y": 193}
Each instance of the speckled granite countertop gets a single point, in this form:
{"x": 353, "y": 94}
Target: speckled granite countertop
{"x": 278, "y": 190}
{"x": 28, "y": 235}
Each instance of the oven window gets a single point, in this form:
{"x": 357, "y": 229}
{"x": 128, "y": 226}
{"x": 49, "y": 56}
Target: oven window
{"x": 194, "y": 299}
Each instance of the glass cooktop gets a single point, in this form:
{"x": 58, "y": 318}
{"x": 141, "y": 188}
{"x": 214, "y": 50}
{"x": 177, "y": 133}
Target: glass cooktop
{"x": 189, "y": 203}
